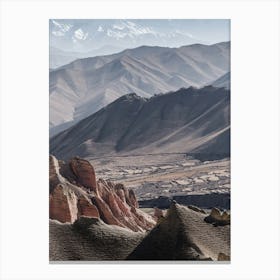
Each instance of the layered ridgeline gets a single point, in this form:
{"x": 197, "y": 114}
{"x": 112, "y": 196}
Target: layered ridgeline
{"x": 223, "y": 81}
{"x": 99, "y": 220}
{"x": 194, "y": 121}
{"x": 86, "y": 85}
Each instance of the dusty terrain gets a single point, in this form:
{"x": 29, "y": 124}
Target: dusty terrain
{"x": 91, "y": 241}
{"x": 167, "y": 175}
{"x": 92, "y": 219}
{"x": 189, "y": 237}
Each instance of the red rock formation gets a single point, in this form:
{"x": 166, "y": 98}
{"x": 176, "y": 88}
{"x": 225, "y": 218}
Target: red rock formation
{"x": 63, "y": 205}
{"x": 132, "y": 199}
{"x": 52, "y": 172}
{"x": 86, "y": 208}
{"x": 105, "y": 212}
{"x": 113, "y": 203}
{"x": 84, "y": 172}
{"x": 120, "y": 192}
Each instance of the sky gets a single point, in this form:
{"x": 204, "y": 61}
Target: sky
{"x": 111, "y": 35}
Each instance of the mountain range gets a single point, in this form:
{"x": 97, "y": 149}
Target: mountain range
{"x": 60, "y": 57}
{"x": 186, "y": 121}
{"x": 86, "y": 85}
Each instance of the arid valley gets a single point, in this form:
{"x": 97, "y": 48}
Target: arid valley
{"x": 173, "y": 176}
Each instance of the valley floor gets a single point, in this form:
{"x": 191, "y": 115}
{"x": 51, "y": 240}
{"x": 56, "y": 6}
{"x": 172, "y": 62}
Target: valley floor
{"x": 169, "y": 175}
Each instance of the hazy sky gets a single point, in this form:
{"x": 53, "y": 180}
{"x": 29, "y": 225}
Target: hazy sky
{"x": 92, "y": 34}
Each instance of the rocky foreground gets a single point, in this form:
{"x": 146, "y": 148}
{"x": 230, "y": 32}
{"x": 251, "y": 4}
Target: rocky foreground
{"x": 75, "y": 192}
{"x": 94, "y": 220}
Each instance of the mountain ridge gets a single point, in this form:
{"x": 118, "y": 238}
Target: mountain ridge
{"x": 223, "y": 81}
{"x": 180, "y": 121}
{"x": 86, "y": 85}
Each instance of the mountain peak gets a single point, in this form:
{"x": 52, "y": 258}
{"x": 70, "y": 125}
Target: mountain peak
{"x": 130, "y": 97}
{"x": 162, "y": 123}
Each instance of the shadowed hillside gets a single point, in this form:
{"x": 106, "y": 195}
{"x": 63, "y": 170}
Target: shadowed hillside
{"x": 186, "y": 121}
{"x": 183, "y": 235}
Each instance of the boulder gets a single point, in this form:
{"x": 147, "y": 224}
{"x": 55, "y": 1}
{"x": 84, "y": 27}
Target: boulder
{"x": 218, "y": 218}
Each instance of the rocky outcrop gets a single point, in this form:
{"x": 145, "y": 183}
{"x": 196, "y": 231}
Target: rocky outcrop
{"x": 86, "y": 208}
{"x": 218, "y": 218}
{"x": 75, "y": 192}
{"x": 63, "y": 204}
{"x": 183, "y": 235}
{"x": 84, "y": 172}
{"x": 105, "y": 212}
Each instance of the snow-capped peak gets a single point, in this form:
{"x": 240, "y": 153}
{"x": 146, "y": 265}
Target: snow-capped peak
{"x": 61, "y": 27}
{"x": 100, "y": 29}
{"x": 80, "y": 34}
{"x": 126, "y": 28}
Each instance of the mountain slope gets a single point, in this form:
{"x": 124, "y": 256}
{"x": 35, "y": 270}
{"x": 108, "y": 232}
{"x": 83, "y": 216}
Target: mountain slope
{"x": 86, "y": 85}
{"x": 223, "y": 81}
{"x": 59, "y": 58}
{"x": 216, "y": 148}
{"x": 176, "y": 122}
